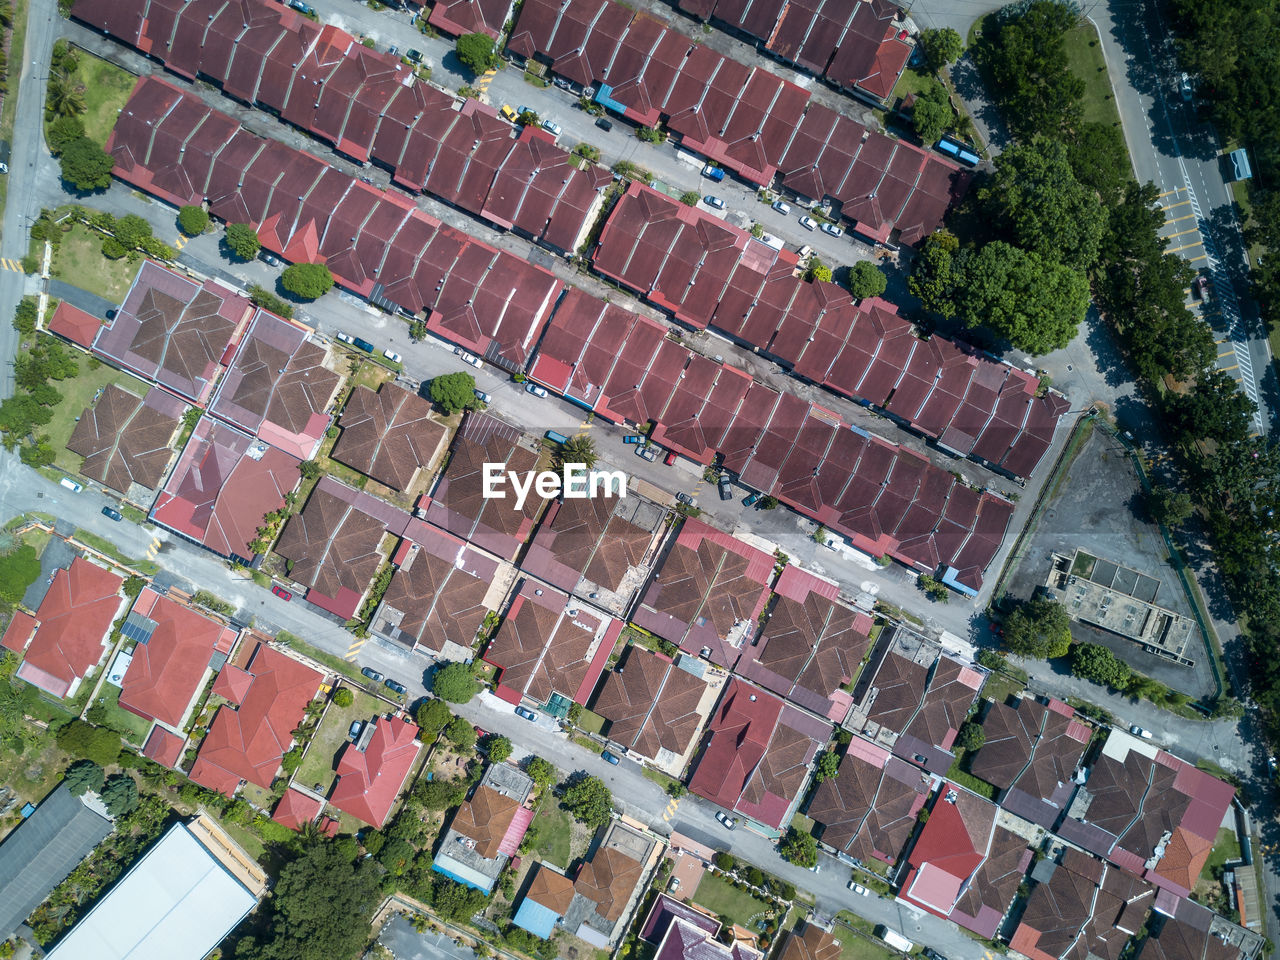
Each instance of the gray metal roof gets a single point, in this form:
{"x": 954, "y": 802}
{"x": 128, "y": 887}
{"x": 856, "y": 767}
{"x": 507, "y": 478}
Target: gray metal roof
{"x": 42, "y": 850}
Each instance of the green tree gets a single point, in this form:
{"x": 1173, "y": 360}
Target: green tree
{"x": 588, "y": 800}
{"x": 932, "y": 114}
{"x": 132, "y": 230}
{"x": 690, "y": 198}
{"x": 441, "y": 794}
{"x": 1038, "y": 628}
{"x": 1214, "y": 409}
{"x": 85, "y": 165}
{"x": 243, "y": 240}
{"x": 24, "y": 316}
{"x": 936, "y": 273}
{"x": 723, "y": 861}
{"x": 971, "y": 737}
{"x": 82, "y": 739}
{"x": 477, "y": 52}
{"x": 579, "y": 449}
{"x": 309, "y": 469}
{"x": 1025, "y": 59}
{"x": 799, "y": 848}
{"x": 343, "y": 697}
{"x": 319, "y": 909}
{"x": 64, "y": 95}
{"x": 193, "y": 220}
{"x": 540, "y": 771}
{"x": 63, "y": 131}
{"x": 461, "y": 734}
{"x": 1033, "y": 303}
{"x": 827, "y": 766}
{"x": 120, "y": 795}
{"x": 1035, "y": 201}
{"x": 1094, "y": 662}
{"x": 1168, "y": 506}
{"x": 1100, "y": 160}
{"x": 941, "y": 47}
{"x": 498, "y": 747}
{"x": 432, "y": 717}
{"x": 817, "y": 271}
{"x": 866, "y": 280}
{"x": 454, "y": 391}
{"x": 310, "y": 281}
{"x": 453, "y": 901}
{"x": 19, "y": 568}
{"x": 84, "y": 775}
{"x": 454, "y": 683}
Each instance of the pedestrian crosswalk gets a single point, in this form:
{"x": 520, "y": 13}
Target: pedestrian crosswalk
{"x": 482, "y": 83}
{"x": 14, "y": 265}
{"x": 672, "y": 806}
{"x": 354, "y": 649}
{"x": 153, "y": 548}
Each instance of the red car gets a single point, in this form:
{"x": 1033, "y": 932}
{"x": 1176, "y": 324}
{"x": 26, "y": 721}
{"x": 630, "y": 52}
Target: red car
{"x": 281, "y": 592}
{"x": 670, "y": 458}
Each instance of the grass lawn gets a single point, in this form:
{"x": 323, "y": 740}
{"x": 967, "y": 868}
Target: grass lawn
{"x": 718, "y": 896}
{"x": 77, "y": 393}
{"x": 1001, "y": 686}
{"x": 1084, "y": 59}
{"x": 329, "y": 660}
{"x": 322, "y": 755}
{"x": 1225, "y": 848}
{"x": 79, "y": 260}
{"x": 912, "y": 81}
{"x": 592, "y": 722}
{"x": 555, "y": 828}
{"x": 802, "y": 823}
{"x": 856, "y": 947}
{"x": 107, "y": 548}
{"x": 132, "y": 726}
{"x": 963, "y": 777}
{"x": 106, "y": 90}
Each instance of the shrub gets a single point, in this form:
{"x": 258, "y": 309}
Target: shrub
{"x": 310, "y": 281}
{"x": 476, "y": 51}
{"x": 193, "y": 220}
{"x": 343, "y": 697}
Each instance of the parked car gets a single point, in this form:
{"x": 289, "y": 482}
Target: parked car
{"x": 353, "y": 731}
{"x": 817, "y": 865}
{"x": 809, "y": 223}
{"x": 633, "y": 438}
{"x": 372, "y": 674}
{"x": 728, "y": 821}
{"x": 670, "y": 458}
{"x": 781, "y": 207}
{"x": 831, "y": 230}
{"x": 482, "y": 396}
{"x": 564, "y": 83}
{"x": 715, "y": 202}
{"x": 674, "y": 885}
{"x": 470, "y": 358}
{"x": 859, "y": 889}
{"x": 608, "y": 757}
{"x": 509, "y": 113}
{"x": 302, "y": 7}
{"x": 71, "y": 485}
{"x": 751, "y": 500}
{"x": 113, "y": 513}
{"x": 536, "y": 390}
{"x": 393, "y": 50}
{"x": 1138, "y": 731}
{"x": 281, "y": 592}
{"x": 271, "y": 260}
{"x": 1200, "y": 288}
{"x": 414, "y": 55}
{"x": 712, "y": 172}
{"x": 648, "y": 452}
{"x": 604, "y": 123}
{"x": 364, "y": 345}
{"x": 396, "y": 685}
{"x": 392, "y": 355}
{"x": 726, "y": 488}
{"x": 526, "y": 713}
{"x": 1184, "y": 87}
{"x": 552, "y": 127}
{"x": 685, "y": 498}
{"x": 345, "y": 337}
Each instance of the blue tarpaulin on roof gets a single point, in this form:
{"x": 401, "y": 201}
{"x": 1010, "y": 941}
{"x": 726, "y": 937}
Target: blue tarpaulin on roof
{"x": 605, "y": 100}
{"x": 949, "y": 578}
{"x": 465, "y": 876}
{"x": 537, "y": 919}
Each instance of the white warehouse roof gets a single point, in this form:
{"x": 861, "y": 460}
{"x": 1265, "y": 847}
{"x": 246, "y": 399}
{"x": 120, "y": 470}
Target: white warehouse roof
{"x": 176, "y": 903}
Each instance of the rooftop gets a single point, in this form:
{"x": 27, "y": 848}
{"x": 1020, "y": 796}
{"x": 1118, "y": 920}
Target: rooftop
{"x": 651, "y": 705}
{"x": 124, "y": 439}
{"x": 372, "y": 770}
{"x": 388, "y": 435}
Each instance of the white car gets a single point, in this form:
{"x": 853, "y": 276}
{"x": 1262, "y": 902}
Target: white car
{"x": 391, "y": 355}
{"x": 470, "y": 358}
{"x": 536, "y": 390}
{"x": 831, "y": 230}
{"x": 345, "y": 337}
{"x": 552, "y": 127}
{"x": 1137, "y": 731}
{"x": 1184, "y": 87}
{"x": 482, "y": 396}
{"x": 809, "y": 223}
{"x": 859, "y": 889}
{"x": 781, "y": 207}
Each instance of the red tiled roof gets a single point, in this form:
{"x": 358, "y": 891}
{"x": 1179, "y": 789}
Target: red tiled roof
{"x": 167, "y": 670}
{"x": 233, "y": 683}
{"x": 949, "y": 849}
{"x": 296, "y": 809}
{"x": 164, "y": 747}
{"x": 369, "y": 781}
{"x": 19, "y": 631}
{"x": 247, "y": 743}
{"x": 75, "y": 618}
{"x": 74, "y": 324}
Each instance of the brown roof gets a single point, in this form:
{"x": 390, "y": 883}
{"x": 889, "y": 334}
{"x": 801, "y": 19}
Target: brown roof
{"x": 812, "y": 646}
{"x": 952, "y": 689}
{"x": 709, "y": 582}
{"x": 440, "y": 601}
{"x": 485, "y": 819}
{"x": 583, "y": 538}
{"x": 996, "y": 882}
{"x": 814, "y": 944}
{"x": 608, "y": 879}
{"x": 1011, "y": 733}
{"x": 1057, "y": 911}
{"x": 900, "y": 684}
{"x": 551, "y": 889}
{"x": 1186, "y": 936}
{"x": 387, "y": 435}
{"x": 123, "y": 441}
{"x": 541, "y": 649}
{"x": 333, "y": 545}
{"x": 869, "y": 809}
{"x": 1120, "y": 791}
{"x": 650, "y": 703}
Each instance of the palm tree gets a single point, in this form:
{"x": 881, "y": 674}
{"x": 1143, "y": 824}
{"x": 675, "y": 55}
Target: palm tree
{"x": 579, "y": 448}
{"x": 65, "y": 97}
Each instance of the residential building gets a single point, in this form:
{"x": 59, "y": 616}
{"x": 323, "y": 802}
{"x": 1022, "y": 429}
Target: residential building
{"x": 545, "y": 902}
{"x": 486, "y": 829}
{"x": 389, "y": 435}
{"x": 125, "y": 439}
{"x": 652, "y": 706}
{"x": 373, "y": 769}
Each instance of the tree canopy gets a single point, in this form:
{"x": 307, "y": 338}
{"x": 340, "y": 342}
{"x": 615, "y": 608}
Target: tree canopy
{"x": 432, "y": 717}
{"x": 932, "y": 114}
{"x": 454, "y": 391}
{"x": 827, "y": 766}
{"x": 972, "y": 737}
{"x": 799, "y": 847}
{"x": 866, "y": 280}
{"x": 1214, "y": 409}
{"x": 588, "y": 799}
{"x": 310, "y": 281}
{"x": 193, "y": 220}
{"x": 82, "y": 739}
{"x": 498, "y": 747}
{"x": 453, "y": 682}
{"x": 120, "y": 794}
{"x": 941, "y": 47}
{"x": 1038, "y": 628}
{"x": 461, "y": 734}
{"x": 580, "y": 448}
{"x": 19, "y": 569}
{"x": 243, "y": 240}
{"x": 84, "y": 775}
{"x": 62, "y": 131}
{"x": 85, "y": 165}
{"x": 477, "y": 52}
{"x": 540, "y": 771}
{"x": 1024, "y": 56}
{"x": 1169, "y": 506}
{"x": 936, "y": 273}
{"x": 1094, "y": 662}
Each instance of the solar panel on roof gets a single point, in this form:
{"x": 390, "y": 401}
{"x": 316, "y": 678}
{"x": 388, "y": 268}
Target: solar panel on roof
{"x": 138, "y": 628}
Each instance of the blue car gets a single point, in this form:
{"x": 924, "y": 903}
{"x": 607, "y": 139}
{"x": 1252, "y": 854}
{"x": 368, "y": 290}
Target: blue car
{"x": 526, "y": 713}
{"x": 609, "y": 758}
{"x": 633, "y": 438}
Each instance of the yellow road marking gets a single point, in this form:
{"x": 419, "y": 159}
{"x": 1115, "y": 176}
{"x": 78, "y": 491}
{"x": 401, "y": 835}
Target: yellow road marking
{"x": 1194, "y": 259}
{"x": 1234, "y": 366}
{"x": 1226, "y": 353}
{"x": 1189, "y": 216}
{"x": 1180, "y": 203}
{"x": 1167, "y": 192}
{"x": 1182, "y": 233}
{"x": 1185, "y": 246}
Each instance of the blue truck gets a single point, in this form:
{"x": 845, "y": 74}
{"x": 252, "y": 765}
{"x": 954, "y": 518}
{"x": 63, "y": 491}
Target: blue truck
{"x": 556, "y": 437}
